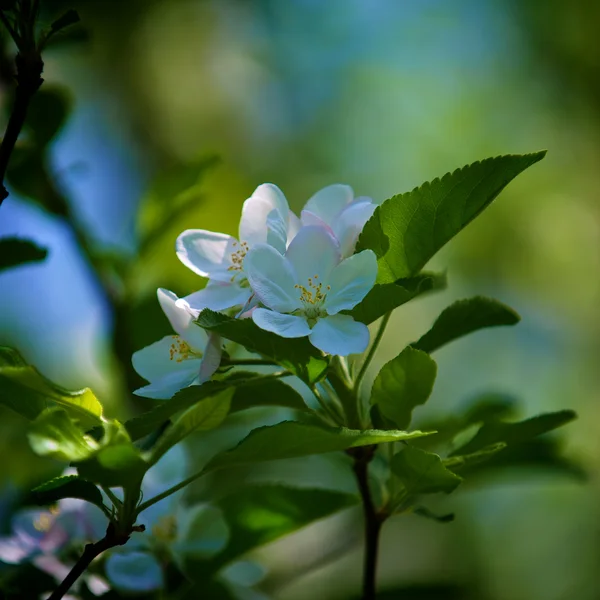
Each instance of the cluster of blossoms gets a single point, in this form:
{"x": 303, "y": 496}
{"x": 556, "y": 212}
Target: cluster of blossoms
{"x": 292, "y": 276}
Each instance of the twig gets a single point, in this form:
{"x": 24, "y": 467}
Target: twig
{"x": 373, "y": 349}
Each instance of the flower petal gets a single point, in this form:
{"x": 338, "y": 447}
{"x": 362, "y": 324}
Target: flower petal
{"x": 340, "y": 334}
{"x": 272, "y": 278}
{"x": 14, "y": 550}
{"x": 351, "y": 281}
{"x": 218, "y": 296}
{"x": 350, "y": 223}
{"x": 330, "y": 201}
{"x": 134, "y": 571}
{"x": 167, "y": 386}
{"x": 314, "y": 251}
{"x": 212, "y": 357}
{"x": 181, "y": 317}
{"x": 294, "y": 225}
{"x": 265, "y": 217}
{"x": 287, "y": 326}
{"x": 154, "y": 361}
{"x": 207, "y": 253}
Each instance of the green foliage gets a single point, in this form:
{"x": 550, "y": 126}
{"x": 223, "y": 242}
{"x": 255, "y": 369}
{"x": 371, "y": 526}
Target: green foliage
{"x": 464, "y": 317}
{"x": 24, "y": 390}
{"x": 402, "y": 384}
{"x": 15, "y": 252}
{"x": 514, "y": 433}
{"x": 290, "y": 439}
{"x": 205, "y": 415}
{"x": 422, "y": 472}
{"x": 264, "y": 392}
{"x": 407, "y": 230}
{"x": 67, "y": 486}
{"x": 297, "y": 355}
{"x": 47, "y": 114}
{"x": 464, "y": 461}
{"x": 385, "y": 297}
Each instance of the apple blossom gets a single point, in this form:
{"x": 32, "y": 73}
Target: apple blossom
{"x": 305, "y": 290}
{"x": 336, "y": 208}
{"x": 188, "y": 358}
{"x": 266, "y": 218}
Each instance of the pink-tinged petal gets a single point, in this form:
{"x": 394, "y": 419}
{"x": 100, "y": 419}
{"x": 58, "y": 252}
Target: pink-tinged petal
{"x": 309, "y": 218}
{"x": 314, "y": 251}
{"x": 218, "y": 296}
{"x": 265, "y": 217}
{"x": 166, "y": 387}
{"x": 134, "y": 571}
{"x": 207, "y": 253}
{"x": 96, "y": 585}
{"x": 294, "y": 225}
{"x": 287, "y": 326}
{"x": 330, "y": 201}
{"x": 351, "y": 281}
{"x": 212, "y": 357}
{"x": 272, "y": 278}
{"x": 350, "y": 224}
{"x": 14, "y": 551}
{"x": 160, "y": 359}
{"x": 341, "y": 335}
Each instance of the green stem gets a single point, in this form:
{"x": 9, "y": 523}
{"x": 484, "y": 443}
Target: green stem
{"x": 112, "y": 497}
{"x": 327, "y": 408}
{"x": 372, "y": 350}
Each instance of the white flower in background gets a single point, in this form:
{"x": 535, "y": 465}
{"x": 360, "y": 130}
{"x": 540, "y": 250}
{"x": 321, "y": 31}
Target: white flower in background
{"x": 305, "y": 290}
{"x": 266, "y": 219}
{"x": 335, "y": 208}
{"x": 177, "y": 361}
{"x": 171, "y": 529}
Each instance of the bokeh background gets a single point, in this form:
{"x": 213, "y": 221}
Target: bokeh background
{"x": 212, "y": 98}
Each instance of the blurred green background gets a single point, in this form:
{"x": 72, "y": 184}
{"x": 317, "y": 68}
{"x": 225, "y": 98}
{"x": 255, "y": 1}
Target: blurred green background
{"x": 212, "y": 98}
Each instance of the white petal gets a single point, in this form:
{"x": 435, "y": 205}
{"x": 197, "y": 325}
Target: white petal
{"x": 181, "y": 316}
{"x": 212, "y": 357}
{"x": 287, "y": 326}
{"x": 314, "y": 251}
{"x": 134, "y": 571}
{"x": 166, "y": 387}
{"x": 348, "y": 226}
{"x": 272, "y": 278}
{"x": 294, "y": 225}
{"x": 341, "y": 335}
{"x": 154, "y": 361}
{"x": 265, "y": 217}
{"x": 13, "y": 550}
{"x": 218, "y": 296}
{"x": 309, "y": 218}
{"x": 351, "y": 281}
{"x": 207, "y": 253}
{"x": 330, "y": 201}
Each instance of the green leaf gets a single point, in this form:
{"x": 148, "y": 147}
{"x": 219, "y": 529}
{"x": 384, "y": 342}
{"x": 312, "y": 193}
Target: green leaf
{"x": 55, "y": 435}
{"x": 205, "y": 415}
{"x": 67, "y": 486}
{"x": 464, "y": 317}
{"x": 464, "y": 461}
{"x": 407, "y": 230}
{"x": 422, "y": 511}
{"x": 71, "y": 17}
{"x": 15, "y": 252}
{"x": 385, "y": 297}
{"x": 47, "y": 114}
{"x": 515, "y": 433}
{"x": 265, "y": 392}
{"x": 402, "y": 384}
{"x": 290, "y": 439}
{"x": 297, "y": 355}
{"x": 423, "y": 472}
{"x": 24, "y": 390}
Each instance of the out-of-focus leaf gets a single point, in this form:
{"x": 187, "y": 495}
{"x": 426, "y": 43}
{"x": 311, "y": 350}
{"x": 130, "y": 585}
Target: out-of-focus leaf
{"x": 67, "y": 486}
{"x": 385, "y": 297}
{"x": 422, "y": 511}
{"x": 433, "y": 591}
{"x": 407, "y": 230}
{"x": 71, "y": 17}
{"x": 464, "y": 317}
{"x": 55, "y": 435}
{"x": 423, "y": 472}
{"x": 24, "y": 390}
{"x": 205, "y": 415}
{"x": 464, "y": 461}
{"x": 47, "y": 113}
{"x": 515, "y": 433}
{"x": 297, "y": 355}
{"x": 402, "y": 384}
{"x": 15, "y": 252}
{"x": 290, "y": 439}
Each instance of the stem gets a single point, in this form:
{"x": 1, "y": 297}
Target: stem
{"x": 372, "y": 350}
{"x": 29, "y": 80}
{"x": 327, "y": 409}
{"x": 373, "y": 519}
{"x": 90, "y": 552}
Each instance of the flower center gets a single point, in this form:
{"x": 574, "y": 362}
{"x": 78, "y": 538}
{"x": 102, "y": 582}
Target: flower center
{"x": 45, "y": 520}
{"x": 312, "y": 297}
{"x": 180, "y": 350}
{"x": 166, "y": 529}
